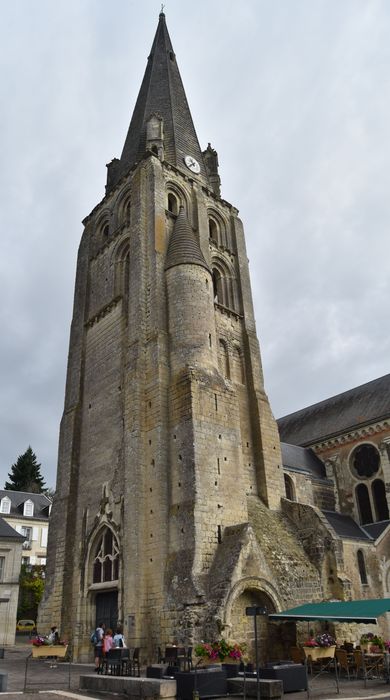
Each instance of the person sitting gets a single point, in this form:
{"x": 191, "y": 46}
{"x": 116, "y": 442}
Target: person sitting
{"x": 54, "y": 636}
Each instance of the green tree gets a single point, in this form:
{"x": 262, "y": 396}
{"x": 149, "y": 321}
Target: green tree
{"x": 31, "y": 586}
{"x": 25, "y": 474}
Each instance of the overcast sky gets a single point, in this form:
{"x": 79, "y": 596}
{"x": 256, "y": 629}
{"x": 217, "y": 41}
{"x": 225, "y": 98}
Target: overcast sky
{"x": 295, "y": 97}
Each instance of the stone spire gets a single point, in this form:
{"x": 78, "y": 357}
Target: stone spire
{"x": 162, "y": 93}
{"x": 183, "y": 248}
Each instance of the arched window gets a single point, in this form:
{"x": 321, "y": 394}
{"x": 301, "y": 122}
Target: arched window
{"x": 380, "y": 501}
{"x": 106, "y": 231}
{"x": 364, "y": 505}
{"x": 289, "y": 486}
{"x": 223, "y": 357}
{"x": 213, "y": 230}
{"x": 106, "y": 558}
{"x": 173, "y": 204}
{"x": 127, "y": 213}
{"x": 217, "y": 286}
{"x": 362, "y": 566}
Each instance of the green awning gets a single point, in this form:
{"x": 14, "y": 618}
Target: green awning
{"x": 364, "y": 611}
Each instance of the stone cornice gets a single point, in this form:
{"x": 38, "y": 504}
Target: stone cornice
{"x": 366, "y": 431}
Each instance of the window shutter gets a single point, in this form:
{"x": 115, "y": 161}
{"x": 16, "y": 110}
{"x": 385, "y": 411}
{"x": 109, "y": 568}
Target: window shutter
{"x": 34, "y": 534}
{"x": 44, "y": 537}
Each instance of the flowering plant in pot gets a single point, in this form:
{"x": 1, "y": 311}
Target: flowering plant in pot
{"x": 219, "y": 651}
{"x": 321, "y": 640}
{"x": 372, "y": 642}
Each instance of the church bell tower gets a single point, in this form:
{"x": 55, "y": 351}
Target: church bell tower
{"x": 166, "y": 429}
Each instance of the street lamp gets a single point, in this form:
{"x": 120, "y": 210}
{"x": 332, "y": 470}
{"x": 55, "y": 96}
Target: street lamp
{"x": 254, "y": 611}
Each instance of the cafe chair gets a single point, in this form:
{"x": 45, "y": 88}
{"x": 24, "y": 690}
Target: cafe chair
{"x": 111, "y": 663}
{"x": 170, "y": 656}
{"x": 181, "y": 657}
{"x": 359, "y": 663}
{"x": 125, "y": 662}
{"x": 135, "y": 664}
{"x": 188, "y": 660}
{"x": 344, "y": 662}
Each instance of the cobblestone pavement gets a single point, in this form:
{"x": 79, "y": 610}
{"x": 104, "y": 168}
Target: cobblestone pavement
{"x": 49, "y": 681}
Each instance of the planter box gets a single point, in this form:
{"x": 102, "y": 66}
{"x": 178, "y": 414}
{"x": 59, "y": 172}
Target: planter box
{"x": 319, "y": 652}
{"x": 207, "y": 682}
{"x": 49, "y": 650}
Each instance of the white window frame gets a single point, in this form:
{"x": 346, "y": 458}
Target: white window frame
{"x": 5, "y": 508}
{"x": 2, "y": 568}
{"x": 28, "y": 505}
{"x": 27, "y": 532}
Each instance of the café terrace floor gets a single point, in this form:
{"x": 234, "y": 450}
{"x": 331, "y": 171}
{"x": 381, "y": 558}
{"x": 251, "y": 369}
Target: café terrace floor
{"x": 46, "y": 683}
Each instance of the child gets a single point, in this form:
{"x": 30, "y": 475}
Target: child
{"x": 108, "y": 642}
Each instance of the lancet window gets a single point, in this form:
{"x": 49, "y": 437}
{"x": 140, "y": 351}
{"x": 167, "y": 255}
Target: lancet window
{"x": 362, "y": 566}
{"x": 106, "y": 558}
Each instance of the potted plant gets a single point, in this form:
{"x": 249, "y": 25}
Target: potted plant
{"x": 322, "y": 646}
{"x": 372, "y": 642}
{"x": 42, "y": 647}
{"x": 220, "y": 651}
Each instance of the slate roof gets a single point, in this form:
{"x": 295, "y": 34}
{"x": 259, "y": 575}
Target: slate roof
{"x": 376, "y": 529}
{"x": 41, "y": 503}
{"x": 8, "y": 532}
{"x": 345, "y": 526}
{"x": 162, "y": 93}
{"x": 302, "y": 459}
{"x": 183, "y": 248}
{"x": 354, "y": 408}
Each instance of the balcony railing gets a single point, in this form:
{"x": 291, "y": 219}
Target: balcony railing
{"x": 27, "y": 544}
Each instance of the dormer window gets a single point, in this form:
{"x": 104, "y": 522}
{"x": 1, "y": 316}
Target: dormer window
{"x": 5, "y": 505}
{"x": 28, "y": 509}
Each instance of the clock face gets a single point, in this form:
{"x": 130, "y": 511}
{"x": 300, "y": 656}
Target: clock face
{"x": 192, "y": 164}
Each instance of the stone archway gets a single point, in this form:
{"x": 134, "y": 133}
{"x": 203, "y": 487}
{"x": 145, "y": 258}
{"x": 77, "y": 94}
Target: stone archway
{"x": 249, "y": 593}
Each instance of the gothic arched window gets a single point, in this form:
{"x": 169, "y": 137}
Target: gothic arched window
{"x": 380, "y": 501}
{"x": 106, "y": 558}
{"x": 364, "y": 504}
{"x": 362, "y": 566}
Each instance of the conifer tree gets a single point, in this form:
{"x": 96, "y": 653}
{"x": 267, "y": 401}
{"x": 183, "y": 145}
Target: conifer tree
{"x": 25, "y": 474}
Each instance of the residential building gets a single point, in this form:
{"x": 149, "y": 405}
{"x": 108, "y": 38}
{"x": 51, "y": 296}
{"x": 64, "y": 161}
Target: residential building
{"x": 10, "y": 555}
{"x": 28, "y": 514}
